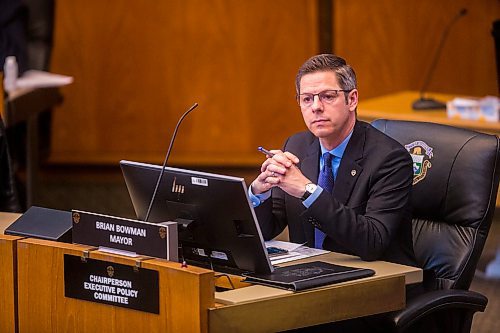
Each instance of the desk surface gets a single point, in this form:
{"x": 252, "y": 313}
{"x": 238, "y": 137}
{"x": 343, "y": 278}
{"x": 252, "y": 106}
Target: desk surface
{"x": 397, "y": 106}
{"x": 7, "y": 219}
{"x": 259, "y": 308}
{"x": 382, "y": 270}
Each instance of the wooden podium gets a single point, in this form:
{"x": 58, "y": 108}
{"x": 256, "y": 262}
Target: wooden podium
{"x": 25, "y": 106}
{"x": 188, "y": 302}
{"x": 185, "y": 294}
{"x": 32, "y": 295}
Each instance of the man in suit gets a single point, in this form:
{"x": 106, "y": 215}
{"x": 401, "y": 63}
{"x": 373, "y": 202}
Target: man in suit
{"x": 343, "y": 185}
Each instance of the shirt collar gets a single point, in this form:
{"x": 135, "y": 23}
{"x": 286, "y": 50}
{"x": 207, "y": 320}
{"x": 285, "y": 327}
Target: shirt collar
{"x": 339, "y": 150}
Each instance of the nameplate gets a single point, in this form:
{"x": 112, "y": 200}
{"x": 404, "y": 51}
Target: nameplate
{"x": 110, "y": 283}
{"x": 143, "y": 238}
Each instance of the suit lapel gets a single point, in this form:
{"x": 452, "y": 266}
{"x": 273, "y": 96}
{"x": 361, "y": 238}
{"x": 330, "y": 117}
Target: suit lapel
{"x": 349, "y": 169}
{"x": 310, "y": 163}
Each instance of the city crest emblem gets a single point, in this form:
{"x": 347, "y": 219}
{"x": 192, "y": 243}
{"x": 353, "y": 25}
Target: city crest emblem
{"x": 421, "y": 154}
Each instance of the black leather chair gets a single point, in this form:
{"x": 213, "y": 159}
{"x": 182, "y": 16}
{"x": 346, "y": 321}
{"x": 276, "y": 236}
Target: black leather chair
{"x": 454, "y": 194}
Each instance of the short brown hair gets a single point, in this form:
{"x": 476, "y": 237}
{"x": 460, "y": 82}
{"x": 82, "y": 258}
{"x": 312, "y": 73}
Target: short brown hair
{"x": 328, "y": 62}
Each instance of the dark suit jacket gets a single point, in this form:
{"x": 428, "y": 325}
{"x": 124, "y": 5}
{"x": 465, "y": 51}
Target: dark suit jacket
{"x": 367, "y": 215}
{"x": 13, "y": 33}
{"x": 9, "y": 201}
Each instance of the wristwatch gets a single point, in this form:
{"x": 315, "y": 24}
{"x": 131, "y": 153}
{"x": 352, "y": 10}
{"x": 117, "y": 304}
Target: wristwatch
{"x": 310, "y": 188}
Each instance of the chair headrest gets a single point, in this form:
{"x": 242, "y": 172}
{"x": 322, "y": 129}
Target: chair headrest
{"x": 453, "y": 197}
{"x": 454, "y": 169}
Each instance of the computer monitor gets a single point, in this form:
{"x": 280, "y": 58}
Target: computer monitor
{"x": 217, "y": 224}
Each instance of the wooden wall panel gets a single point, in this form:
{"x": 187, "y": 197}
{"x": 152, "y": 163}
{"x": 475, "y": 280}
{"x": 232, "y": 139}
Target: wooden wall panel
{"x": 138, "y": 65}
{"x": 391, "y": 44}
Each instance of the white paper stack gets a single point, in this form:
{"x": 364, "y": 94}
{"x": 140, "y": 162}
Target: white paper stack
{"x": 41, "y": 79}
{"x": 486, "y": 108}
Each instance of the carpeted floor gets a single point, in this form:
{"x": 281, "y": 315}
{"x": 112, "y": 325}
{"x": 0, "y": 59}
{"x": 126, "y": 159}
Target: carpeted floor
{"x": 102, "y": 190}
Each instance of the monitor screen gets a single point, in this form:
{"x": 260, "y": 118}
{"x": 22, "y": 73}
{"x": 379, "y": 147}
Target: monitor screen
{"x": 217, "y": 224}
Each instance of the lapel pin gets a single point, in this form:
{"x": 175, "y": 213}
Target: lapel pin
{"x": 353, "y": 173}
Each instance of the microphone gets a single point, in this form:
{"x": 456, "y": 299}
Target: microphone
{"x": 429, "y": 103}
{"x": 166, "y": 159}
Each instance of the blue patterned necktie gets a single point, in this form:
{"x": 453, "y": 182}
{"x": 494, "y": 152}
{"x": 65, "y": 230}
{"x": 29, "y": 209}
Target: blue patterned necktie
{"x": 326, "y": 181}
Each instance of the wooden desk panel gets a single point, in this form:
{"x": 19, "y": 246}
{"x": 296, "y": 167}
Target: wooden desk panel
{"x": 187, "y": 302}
{"x": 323, "y": 305}
{"x": 185, "y": 294}
{"x": 8, "y": 290}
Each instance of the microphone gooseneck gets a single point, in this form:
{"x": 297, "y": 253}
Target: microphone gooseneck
{"x": 427, "y": 103}
{"x": 166, "y": 159}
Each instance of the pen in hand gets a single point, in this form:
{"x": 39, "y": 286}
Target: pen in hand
{"x": 271, "y": 154}
{"x": 265, "y": 151}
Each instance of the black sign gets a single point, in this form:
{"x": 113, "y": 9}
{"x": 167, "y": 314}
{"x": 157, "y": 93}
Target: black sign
{"x": 109, "y": 283}
{"x": 150, "y": 239}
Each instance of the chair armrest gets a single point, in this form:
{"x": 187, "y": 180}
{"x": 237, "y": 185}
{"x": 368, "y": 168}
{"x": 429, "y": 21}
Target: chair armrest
{"x": 425, "y": 304}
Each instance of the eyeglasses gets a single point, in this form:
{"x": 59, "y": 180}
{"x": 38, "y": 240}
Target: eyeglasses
{"x": 326, "y": 96}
